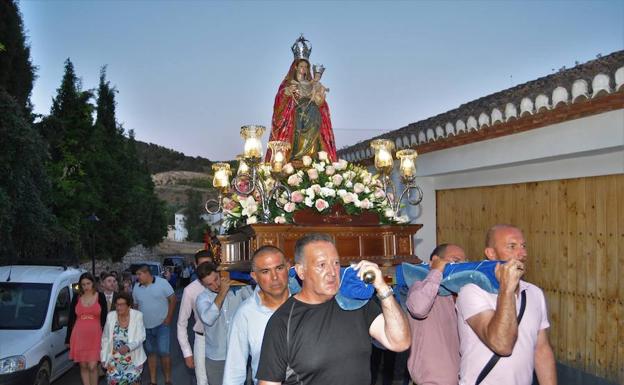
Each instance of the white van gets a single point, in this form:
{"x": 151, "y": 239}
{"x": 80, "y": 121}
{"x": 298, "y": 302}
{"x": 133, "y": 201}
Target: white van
{"x": 34, "y": 311}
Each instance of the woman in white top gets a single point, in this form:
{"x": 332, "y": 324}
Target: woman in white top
{"x": 122, "y": 352}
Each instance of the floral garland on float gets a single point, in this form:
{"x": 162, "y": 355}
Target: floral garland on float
{"x": 317, "y": 185}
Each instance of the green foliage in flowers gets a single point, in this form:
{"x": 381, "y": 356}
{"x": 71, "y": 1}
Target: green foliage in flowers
{"x": 318, "y": 185}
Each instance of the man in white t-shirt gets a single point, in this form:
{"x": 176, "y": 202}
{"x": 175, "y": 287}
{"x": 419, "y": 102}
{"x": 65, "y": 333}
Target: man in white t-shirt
{"x": 194, "y": 357}
{"x": 488, "y": 322}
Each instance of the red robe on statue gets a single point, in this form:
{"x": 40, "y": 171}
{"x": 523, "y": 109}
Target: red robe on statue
{"x": 284, "y": 116}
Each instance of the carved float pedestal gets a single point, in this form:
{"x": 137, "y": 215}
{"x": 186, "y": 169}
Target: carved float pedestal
{"x": 386, "y": 245}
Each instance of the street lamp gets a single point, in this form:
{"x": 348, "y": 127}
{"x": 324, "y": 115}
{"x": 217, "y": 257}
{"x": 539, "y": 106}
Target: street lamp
{"x": 93, "y": 219}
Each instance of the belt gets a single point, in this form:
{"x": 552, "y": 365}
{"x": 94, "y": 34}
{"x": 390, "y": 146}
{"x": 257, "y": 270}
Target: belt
{"x": 201, "y": 334}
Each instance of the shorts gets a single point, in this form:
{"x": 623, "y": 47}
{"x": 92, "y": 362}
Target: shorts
{"x": 157, "y": 340}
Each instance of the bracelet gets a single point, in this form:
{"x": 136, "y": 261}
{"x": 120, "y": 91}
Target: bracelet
{"x": 387, "y": 294}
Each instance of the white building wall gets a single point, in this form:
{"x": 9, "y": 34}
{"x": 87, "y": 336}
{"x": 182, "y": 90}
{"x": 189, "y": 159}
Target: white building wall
{"x": 180, "y": 228}
{"x": 584, "y": 147}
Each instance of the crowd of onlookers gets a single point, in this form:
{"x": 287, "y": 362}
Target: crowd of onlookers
{"x": 296, "y": 325}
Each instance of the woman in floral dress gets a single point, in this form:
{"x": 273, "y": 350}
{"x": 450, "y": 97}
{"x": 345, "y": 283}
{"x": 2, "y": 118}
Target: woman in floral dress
{"x": 122, "y": 352}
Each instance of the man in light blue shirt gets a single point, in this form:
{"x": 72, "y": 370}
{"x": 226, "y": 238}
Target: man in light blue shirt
{"x": 270, "y": 271}
{"x": 216, "y": 306}
{"x": 155, "y": 298}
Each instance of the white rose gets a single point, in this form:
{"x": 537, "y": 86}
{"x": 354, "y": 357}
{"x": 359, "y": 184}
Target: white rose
{"x": 366, "y": 204}
{"x": 348, "y": 184}
{"x": 347, "y": 198}
{"x": 337, "y": 179}
{"x": 310, "y": 193}
{"x": 306, "y": 160}
{"x": 328, "y": 192}
{"x": 309, "y": 202}
{"x": 402, "y": 219}
{"x": 341, "y": 192}
{"x": 252, "y": 219}
{"x": 366, "y": 179}
{"x": 322, "y": 155}
{"x": 316, "y": 188}
{"x": 389, "y": 213}
{"x": 320, "y": 167}
{"x": 330, "y": 170}
{"x": 280, "y": 219}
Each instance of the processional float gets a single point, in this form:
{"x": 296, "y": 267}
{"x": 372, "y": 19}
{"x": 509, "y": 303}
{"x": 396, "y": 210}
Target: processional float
{"x": 299, "y": 185}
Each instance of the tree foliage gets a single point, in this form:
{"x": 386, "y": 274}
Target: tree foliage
{"x": 159, "y": 159}
{"x": 55, "y": 174}
{"x": 27, "y": 226}
{"x": 16, "y": 71}
{"x": 194, "y": 223}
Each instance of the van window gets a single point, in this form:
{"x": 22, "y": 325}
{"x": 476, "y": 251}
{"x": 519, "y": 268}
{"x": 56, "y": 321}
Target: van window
{"x": 61, "y": 309}
{"x": 23, "y": 305}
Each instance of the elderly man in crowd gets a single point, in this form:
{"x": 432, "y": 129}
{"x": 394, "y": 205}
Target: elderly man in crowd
{"x": 155, "y": 298}
{"x": 196, "y": 357}
{"x": 270, "y": 271}
{"x": 503, "y": 337}
{"x": 434, "y": 354}
{"x": 311, "y": 340}
{"x": 216, "y": 307}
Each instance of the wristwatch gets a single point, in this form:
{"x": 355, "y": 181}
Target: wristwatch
{"x": 386, "y": 294}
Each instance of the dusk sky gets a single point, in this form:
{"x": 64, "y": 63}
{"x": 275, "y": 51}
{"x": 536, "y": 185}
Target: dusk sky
{"x": 190, "y": 73}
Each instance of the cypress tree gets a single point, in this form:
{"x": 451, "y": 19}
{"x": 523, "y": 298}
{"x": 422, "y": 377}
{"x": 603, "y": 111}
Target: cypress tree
{"x": 27, "y": 227}
{"x": 17, "y": 73}
{"x": 69, "y": 130}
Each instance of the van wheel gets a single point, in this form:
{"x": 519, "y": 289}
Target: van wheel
{"x": 43, "y": 374}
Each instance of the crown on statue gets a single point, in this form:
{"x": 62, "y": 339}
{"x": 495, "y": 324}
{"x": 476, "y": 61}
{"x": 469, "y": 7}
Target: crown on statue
{"x": 302, "y": 48}
{"x": 318, "y": 69}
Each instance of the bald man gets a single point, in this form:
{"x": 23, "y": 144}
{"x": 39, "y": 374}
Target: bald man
{"x": 495, "y": 348}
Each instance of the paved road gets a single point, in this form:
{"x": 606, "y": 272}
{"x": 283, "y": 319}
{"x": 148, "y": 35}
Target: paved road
{"x": 181, "y": 375}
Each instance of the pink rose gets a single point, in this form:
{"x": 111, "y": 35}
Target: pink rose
{"x": 337, "y": 179}
{"x": 289, "y": 207}
{"x": 321, "y": 204}
{"x": 379, "y": 193}
{"x": 288, "y": 168}
{"x": 313, "y": 174}
{"x": 306, "y": 160}
{"x": 358, "y": 188}
{"x": 330, "y": 170}
{"x": 297, "y": 197}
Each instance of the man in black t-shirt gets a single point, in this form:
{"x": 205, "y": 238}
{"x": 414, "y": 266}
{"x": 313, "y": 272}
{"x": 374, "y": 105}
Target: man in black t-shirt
{"x": 311, "y": 340}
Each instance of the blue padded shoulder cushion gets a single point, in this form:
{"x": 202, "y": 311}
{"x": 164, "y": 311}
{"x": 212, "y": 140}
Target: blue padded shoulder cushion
{"x": 455, "y": 275}
{"x": 353, "y": 292}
